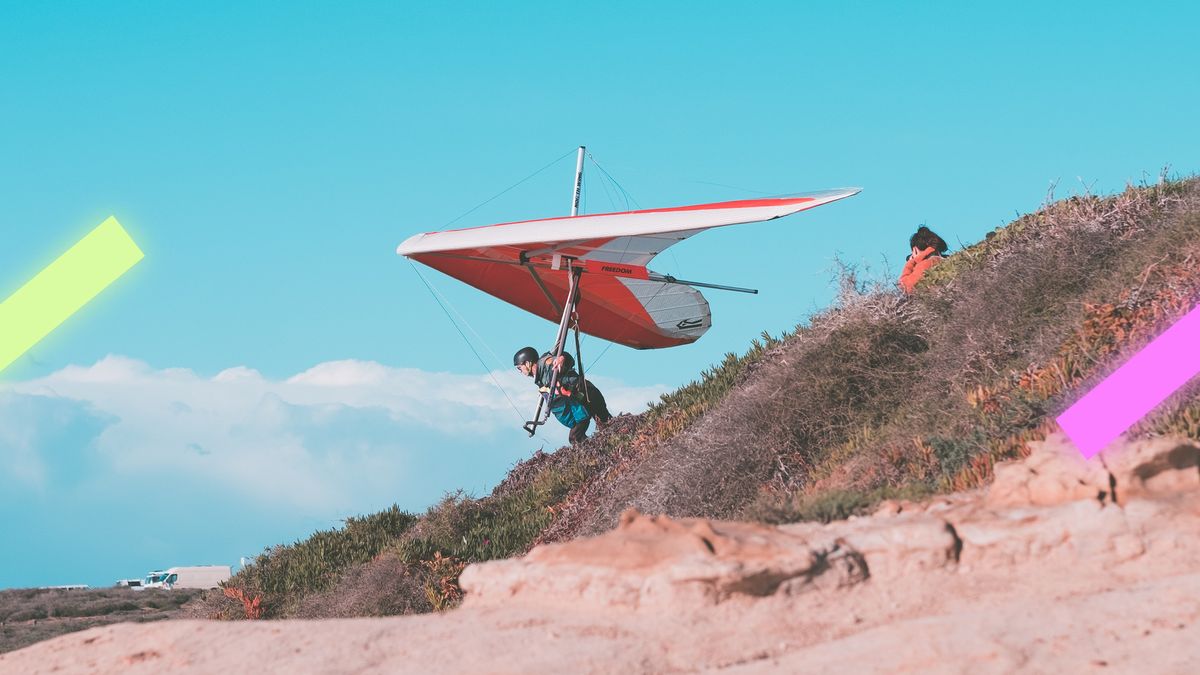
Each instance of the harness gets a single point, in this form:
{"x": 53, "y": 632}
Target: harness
{"x": 569, "y": 407}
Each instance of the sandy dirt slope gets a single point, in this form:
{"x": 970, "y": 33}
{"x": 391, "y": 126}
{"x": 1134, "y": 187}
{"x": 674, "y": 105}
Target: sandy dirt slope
{"x": 1060, "y": 566}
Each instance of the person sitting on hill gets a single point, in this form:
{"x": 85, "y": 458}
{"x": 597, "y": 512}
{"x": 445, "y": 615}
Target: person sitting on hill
{"x": 928, "y": 250}
{"x": 577, "y": 400}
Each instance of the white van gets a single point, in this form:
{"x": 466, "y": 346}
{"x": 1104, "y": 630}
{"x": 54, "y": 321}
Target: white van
{"x": 154, "y": 579}
{"x": 205, "y": 576}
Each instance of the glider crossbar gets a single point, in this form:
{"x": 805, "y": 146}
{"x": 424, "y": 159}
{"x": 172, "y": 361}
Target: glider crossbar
{"x": 594, "y": 267}
{"x": 668, "y": 279}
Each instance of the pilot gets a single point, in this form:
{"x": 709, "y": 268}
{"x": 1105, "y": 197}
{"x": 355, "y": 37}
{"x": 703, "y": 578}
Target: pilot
{"x": 577, "y": 400}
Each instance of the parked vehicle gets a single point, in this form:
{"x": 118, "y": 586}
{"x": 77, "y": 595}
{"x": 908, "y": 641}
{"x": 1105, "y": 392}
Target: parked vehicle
{"x": 134, "y": 584}
{"x": 205, "y": 576}
{"x": 154, "y": 579}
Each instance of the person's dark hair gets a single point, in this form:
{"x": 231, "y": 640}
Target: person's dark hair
{"x": 925, "y": 238}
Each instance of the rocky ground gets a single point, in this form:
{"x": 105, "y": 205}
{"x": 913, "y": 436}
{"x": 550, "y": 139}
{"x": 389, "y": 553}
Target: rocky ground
{"x": 1060, "y": 566}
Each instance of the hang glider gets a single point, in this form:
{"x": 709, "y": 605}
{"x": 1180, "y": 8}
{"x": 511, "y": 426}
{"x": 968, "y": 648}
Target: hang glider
{"x": 540, "y": 266}
{"x": 533, "y": 265}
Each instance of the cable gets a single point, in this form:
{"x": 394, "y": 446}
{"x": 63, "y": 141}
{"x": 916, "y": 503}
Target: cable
{"x": 600, "y": 355}
{"x": 505, "y": 190}
{"x": 605, "y": 181}
{"x": 495, "y": 357}
{"x": 469, "y": 345}
{"x": 604, "y": 186}
{"x": 628, "y": 197}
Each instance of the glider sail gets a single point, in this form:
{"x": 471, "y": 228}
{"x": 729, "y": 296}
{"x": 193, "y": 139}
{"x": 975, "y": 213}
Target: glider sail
{"x": 530, "y": 264}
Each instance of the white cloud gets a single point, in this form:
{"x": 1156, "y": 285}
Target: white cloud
{"x": 330, "y": 439}
{"x": 31, "y": 425}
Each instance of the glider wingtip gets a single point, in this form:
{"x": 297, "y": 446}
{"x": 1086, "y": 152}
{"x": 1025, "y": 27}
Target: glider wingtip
{"x": 408, "y": 246}
{"x": 824, "y": 196}
{"x": 840, "y": 193}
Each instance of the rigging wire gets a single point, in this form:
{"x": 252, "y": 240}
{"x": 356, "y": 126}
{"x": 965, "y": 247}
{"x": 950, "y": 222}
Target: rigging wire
{"x": 600, "y": 355}
{"x": 684, "y": 179}
{"x": 678, "y": 267}
{"x": 469, "y": 345}
{"x": 462, "y": 318}
{"x": 606, "y": 180}
{"x": 505, "y": 190}
{"x": 604, "y": 186}
{"x": 628, "y": 197}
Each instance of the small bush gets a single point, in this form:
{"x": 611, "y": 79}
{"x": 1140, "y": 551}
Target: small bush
{"x": 251, "y": 606}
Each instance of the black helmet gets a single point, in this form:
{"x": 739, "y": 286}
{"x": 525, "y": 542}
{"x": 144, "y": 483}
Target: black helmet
{"x": 525, "y": 355}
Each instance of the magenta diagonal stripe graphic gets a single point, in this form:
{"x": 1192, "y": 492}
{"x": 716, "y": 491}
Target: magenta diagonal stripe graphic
{"x": 1126, "y": 396}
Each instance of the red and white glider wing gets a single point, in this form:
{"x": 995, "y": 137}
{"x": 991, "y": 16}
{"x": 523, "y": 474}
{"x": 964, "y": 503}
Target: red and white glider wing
{"x": 518, "y": 263}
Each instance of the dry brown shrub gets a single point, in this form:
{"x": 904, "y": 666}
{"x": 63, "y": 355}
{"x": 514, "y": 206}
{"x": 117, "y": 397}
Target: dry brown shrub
{"x": 252, "y": 606}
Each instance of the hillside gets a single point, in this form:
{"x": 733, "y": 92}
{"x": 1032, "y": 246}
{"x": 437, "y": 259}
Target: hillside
{"x": 883, "y": 395}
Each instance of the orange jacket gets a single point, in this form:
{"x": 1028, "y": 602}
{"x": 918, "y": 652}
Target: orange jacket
{"x": 916, "y": 267}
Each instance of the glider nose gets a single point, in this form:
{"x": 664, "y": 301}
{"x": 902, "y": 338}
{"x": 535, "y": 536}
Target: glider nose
{"x": 407, "y": 246}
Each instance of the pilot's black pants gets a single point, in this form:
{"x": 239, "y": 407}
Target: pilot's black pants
{"x": 597, "y": 407}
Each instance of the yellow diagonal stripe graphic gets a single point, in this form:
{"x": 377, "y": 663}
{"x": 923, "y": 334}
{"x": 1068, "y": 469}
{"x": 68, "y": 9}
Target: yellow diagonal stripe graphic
{"x": 66, "y": 285}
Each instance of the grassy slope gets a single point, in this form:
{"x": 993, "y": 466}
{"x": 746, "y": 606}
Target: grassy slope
{"x": 881, "y": 395}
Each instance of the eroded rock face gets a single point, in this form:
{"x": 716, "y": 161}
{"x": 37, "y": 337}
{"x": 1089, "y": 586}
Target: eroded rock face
{"x": 890, "y": 548}
{"x": 1053, "y": 504}
{"x": 1153, "y": 467}
{"x": 1131, "y": 499}
{"x": 656, "y": 561}
{"x": 1055, "y": 472}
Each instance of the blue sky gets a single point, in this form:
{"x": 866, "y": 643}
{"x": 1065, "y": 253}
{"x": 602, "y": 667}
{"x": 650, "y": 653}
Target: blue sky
{"x": 268, "y": 159}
